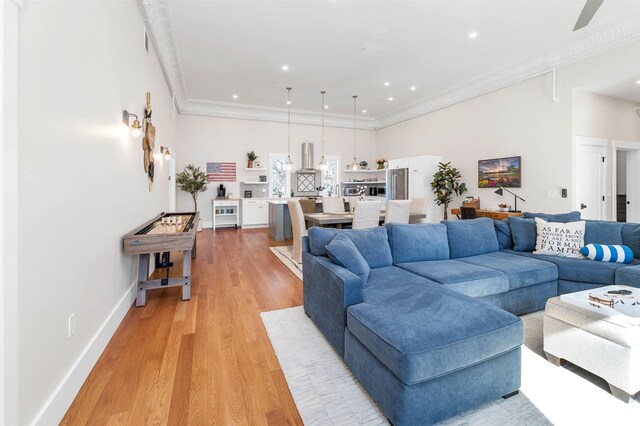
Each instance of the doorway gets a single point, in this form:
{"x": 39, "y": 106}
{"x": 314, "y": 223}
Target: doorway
{"x": 592, "y": 177}
{"x": 625, "y": 179}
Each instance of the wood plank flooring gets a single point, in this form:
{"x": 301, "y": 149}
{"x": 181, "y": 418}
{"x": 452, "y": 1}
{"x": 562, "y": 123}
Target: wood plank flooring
{"x": 206, "y": 361}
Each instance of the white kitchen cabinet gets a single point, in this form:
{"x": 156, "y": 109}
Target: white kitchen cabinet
{"x": 255, "y": 213}
{"x": 400, "y": 163}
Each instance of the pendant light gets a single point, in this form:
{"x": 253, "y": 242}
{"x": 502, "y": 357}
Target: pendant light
{"x": 323, "y": 163}
{"x": 288, "y": 165}
{"x": 354, "y": 166}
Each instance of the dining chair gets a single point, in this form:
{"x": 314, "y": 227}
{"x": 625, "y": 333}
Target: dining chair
{"x": 468, "y": 213}
{"x": 299, "y": 228}
{"x": 366, "y": 214}
{"x": 398, "y": 211}
{"x": 352, "y": 203}
{"x": 332, "y": 205}
{"x": 418, "y": 206}
{"x": 308, "y": 205}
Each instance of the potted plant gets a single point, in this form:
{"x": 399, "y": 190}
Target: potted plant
{"x": 251, "y": 157}
{"x": 380, "y": 163}
{"x": 193, "y": 181}
{"x": 446, "y": 183}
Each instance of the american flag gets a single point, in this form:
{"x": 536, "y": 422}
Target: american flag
{"x": 221, "y": 172}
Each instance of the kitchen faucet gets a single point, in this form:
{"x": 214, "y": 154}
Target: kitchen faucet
{"x": 337, "y": 189}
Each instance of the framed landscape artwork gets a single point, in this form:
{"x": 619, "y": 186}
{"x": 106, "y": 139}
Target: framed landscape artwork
{"x": 500, "y": 172}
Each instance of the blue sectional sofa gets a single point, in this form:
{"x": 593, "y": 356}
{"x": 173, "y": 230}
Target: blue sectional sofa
{"x": 425, "y": 315}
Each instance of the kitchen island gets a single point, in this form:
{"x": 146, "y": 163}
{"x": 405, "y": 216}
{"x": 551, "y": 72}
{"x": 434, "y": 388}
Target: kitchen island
{"x": 279, "y": 220}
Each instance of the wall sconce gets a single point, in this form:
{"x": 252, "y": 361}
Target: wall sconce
{"x": 136, "y": 128}
{"x": 165, "y": 152}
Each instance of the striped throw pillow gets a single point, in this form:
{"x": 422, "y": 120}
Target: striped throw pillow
{"x": 606, "y": 253}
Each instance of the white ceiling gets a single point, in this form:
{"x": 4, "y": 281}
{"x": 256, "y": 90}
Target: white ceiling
{"x": 352, "y": 47}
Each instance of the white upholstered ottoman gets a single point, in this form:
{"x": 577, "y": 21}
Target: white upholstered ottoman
{"x": 600, "y": 339}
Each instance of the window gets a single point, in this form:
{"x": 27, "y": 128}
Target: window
{"x": 280, "y": 179}
{"x": 331, "y": 177}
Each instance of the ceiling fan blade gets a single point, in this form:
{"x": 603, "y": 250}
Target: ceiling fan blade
{"x": 590, "y": 9}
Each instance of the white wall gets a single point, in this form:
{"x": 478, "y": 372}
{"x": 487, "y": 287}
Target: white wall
{"x": 206, "y": 139}
{"x": 520, "y": 120}
{"x": 81, "y": 187}
{"x": 603, "y": 117}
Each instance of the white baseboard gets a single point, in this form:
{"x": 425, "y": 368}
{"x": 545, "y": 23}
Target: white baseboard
{"x": 58, "y": 403}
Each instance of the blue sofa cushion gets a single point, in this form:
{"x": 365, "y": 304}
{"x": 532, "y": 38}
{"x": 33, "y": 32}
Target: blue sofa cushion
{"x": 503, "y": 233}
{"x": 343, "y": 252}
{"x": 523, "y": 232}
{"x": 628, "y": 276}
{"x": 521, "y": 271}
{"x": 603, "y": 232}
{"x": 559, "y": 217}
{"x": 471, "y": 237}
{"x": 423, "y": 241}
{"x": 372, "y": 243}
{"x": 433, "y": 331}
{"x": 584, "y": 270}
{"x": 391, "y": 283}
{"x": 631, "y": 238}
{"x": 472, "y": 280}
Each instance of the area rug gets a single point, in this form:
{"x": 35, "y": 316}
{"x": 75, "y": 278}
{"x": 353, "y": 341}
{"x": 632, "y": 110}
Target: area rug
{"x": 326, "y": 393}
{"x": 283, "y": 253}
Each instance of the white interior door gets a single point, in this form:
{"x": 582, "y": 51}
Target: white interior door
{"x": 633, "y": 186}
{"x": 591, "y": 184}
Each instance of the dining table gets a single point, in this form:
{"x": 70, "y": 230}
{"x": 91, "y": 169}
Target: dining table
{"x": 346, "y": 218}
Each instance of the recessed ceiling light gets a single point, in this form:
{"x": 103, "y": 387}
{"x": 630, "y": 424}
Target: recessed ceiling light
{"x": 412, "y": 88}
{"x": 364, "y": 111}
{"x": 390, "y": 98}
{"x": 473, "y": 35}
{"x": 285, "y": 68}
{"x": 288, "y": 102}
{"x": 637, "y": 81}
{"x": 235, "y": 96}
{"x": 386, "y": 83}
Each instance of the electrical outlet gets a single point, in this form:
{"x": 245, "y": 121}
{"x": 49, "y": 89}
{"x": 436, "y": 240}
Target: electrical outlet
{"x": 72, "y": 325}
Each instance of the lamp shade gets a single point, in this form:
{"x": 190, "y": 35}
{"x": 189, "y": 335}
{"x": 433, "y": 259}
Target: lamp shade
{"x": 498, "y": 191}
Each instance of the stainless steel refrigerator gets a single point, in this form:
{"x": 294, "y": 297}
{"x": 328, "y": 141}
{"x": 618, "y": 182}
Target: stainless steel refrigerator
{"x": 398, "y": 184}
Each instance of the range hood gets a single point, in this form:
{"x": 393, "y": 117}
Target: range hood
{"x": 307, "y": 159}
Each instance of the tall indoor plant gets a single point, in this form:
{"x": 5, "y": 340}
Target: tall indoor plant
{"x": 446, "y": 183}
{"x": 193, "y": 181}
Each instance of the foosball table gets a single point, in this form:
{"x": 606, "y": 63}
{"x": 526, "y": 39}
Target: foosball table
{"x": 161, "y": 235}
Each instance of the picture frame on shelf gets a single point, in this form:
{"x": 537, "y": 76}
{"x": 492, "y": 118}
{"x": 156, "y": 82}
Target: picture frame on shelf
{"x": 503, "y": 172}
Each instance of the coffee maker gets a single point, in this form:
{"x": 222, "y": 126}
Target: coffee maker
{"x": 222, "y": 191}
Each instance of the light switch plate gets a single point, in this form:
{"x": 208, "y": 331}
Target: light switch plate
{"x": 553, "y": 193}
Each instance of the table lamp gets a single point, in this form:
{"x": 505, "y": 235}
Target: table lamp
{"x": 500, "y": 190}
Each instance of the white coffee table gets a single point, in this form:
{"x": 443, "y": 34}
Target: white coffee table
{"x": 600, "y": 339}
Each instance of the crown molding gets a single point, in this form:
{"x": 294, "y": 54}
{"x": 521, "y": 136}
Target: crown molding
{"x": 594, "y": 41}
{"x": 279, "y": 115}
{"x": 158, "y": 22}
{"x": 598, "y": 40}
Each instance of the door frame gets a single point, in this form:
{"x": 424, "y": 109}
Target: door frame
{"x": 633, "y": 187}
{"x": 604, "y": 184}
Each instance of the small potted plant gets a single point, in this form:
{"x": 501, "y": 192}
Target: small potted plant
{"x": 381, "y": 162}
{"x": 446, "y": 183}
{"x": 251, "y": 157}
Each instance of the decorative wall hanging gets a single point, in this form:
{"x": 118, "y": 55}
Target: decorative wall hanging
{"x": 148, "y": 141}
{"x": 221, "y": 172}
{"x": 500, "y": 173}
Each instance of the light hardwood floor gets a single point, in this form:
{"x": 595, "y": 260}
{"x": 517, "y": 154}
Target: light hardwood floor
{"x": 205, "y": 361}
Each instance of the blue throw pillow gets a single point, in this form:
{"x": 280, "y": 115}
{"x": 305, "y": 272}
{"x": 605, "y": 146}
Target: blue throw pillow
{"x": 558, "y": 217}
{"x": 608, "y": 253}
{"x": 523, "y": 232}
{"x": 503, "y": 232}
{"x": 343, "y": 252}
{"x": 471, "y": 237}
{"x": 372, "y": 243}
{"x": 418, "y": 242}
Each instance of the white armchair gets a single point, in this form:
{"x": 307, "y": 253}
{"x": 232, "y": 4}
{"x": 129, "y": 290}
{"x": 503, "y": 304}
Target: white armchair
{"x": 299, "y": 228}
{"x": 366, "y": 214}
{"x": 398, "y": 211}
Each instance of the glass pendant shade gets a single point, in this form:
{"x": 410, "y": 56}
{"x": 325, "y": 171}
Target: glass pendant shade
{"x": 323, "y": 164}
{"x": 288, "y": 165}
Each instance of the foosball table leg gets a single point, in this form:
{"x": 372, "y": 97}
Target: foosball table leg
{"x": 186, "y": 273}
{"x": 143, "y": 276}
